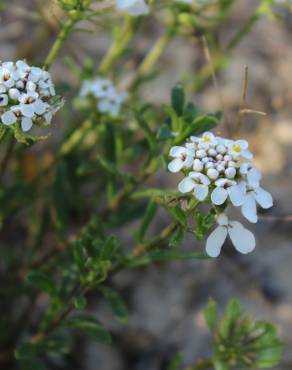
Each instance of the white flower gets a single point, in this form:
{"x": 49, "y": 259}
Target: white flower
{"x": 242, "y": 239}
{"x": 205, "y": 141}
{"x": 238, "y": 148}
{"x": 134, "y": 7}
{"x": 195, "y": 181}
{"x": 29, "y": 90}
{"x": 109, "y": 100}
{"x": 183, "y": 157}
{"x": 253, "y": 196}
{"x": 225, "y": 188}
{"x": 252, "y": 174}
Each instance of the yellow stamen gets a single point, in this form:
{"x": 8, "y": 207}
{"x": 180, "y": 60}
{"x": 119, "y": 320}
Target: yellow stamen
{"x": 236, "y": 148}
{"x": 206, "y": 139}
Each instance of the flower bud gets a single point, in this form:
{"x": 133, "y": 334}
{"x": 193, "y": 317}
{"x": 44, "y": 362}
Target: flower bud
{"x": 209, "y": 165}
{"x": 14, "y": 93}
{"x": 198, "y": 165}
{"x": 230, "y": 172}
{"x": 212, "y": 173}
{"x": 201, "y": 153}
{"x": 219, "y": 157}
{"x": 212, "y": 152}
{"x": 227, "y": 158}
{"x": 221, "y": 149}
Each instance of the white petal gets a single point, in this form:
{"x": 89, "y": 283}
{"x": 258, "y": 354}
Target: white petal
{"x": 40, "y": 107}
{"x": 247, "y": 154}
{"x": 121, "y": 4}
{"x": 188, "y": 161}
{"x": 176, "y": 165}
{"x": 249, "y": 209}
{"x": 186, "y": 185}
{"x": 215, "y": 241}
{"x": 26, "y": 124}
{"x": 242, "y": 239}
{"x": 201, "y": 191}
{"x": 263, "y": 198}
{"x": 8, "y": 118}
{"x": 236, "y": 194}
{"x": 27, "y": 110}
{"x": 254, "y": 176}
{"x": 177, "y": 151}
{"x": 219, "y": 196}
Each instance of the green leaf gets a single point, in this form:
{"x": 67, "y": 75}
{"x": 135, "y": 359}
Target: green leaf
{"x": 220, "y": 365}
{"x": 179, "y": 215}
{"x": 147, "y": 219}
{"x": 90, "y": 327}
{"x": 231, "y": 315}
{"x": 177, "y": 238}
{"x": 80, "y": 302}
{"x": 190, "y": 112}
{"x": 25, "y": 350}
{"x": 211, "y": 314}
{"x": 178, "y": 99}
{"x": 109, "y": 247}
{"x": 176, "y": 362}
{"x": 116, "y": 302}
{"x": 41, "y": 281}
{"x": 163, "y": 256}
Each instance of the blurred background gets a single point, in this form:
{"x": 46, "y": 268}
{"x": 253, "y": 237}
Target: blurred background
{"x": 166, "y": 307}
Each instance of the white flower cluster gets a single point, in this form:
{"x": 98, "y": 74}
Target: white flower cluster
{"x": 25, "y": 95}
{"x": 133, "y": 7}
{"x": 221, "y": 170}
{"x": 109, "y": 100}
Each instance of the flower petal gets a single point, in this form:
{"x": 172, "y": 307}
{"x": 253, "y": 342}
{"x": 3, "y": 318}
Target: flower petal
{"x": 215, "y": 241}
{"x": 263, "y": 198}
{"x": 201, "y": 191}
{"x": 249, "y": 208}
{"x": 236, "y": 194}
{"x": 186, "y": 185}
{"x": 26, "y": 124}
{"x": 176, "y": 165}
{"x": 242, "y": 239}
{"x": 8, "y": 118}
{"x": 253, "y": 177}
{"x": 219, "y": 195}
{"x": 177, "y": 151}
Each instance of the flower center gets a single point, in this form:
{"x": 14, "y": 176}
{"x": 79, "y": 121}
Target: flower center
{"x": 6, "y": 76}
{"x": 236, "y": 148}
{"x": 206, "y": 139}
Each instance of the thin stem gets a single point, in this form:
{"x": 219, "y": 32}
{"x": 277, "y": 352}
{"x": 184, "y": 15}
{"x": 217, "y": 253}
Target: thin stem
{"x": 57, "y": 45}
{"x": 153, "y": 56}
{"x": 242, "y": 100}
{"x": 119, "y": 44}
{"x": 215, "y": 82}
{"x": 7, "y": 156}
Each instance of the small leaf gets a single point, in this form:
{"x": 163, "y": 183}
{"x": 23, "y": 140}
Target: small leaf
{"x": 25, "y": 350}
{"x": 211, "y": 314}
{"x": 178, "y": 99}
{"x": 41, "y": 281}
{"x": 177, "y": 238}
{"x": 117, "y": 304}
{"x": 232, "y": 313}
{"x": 175, "y": 363}
{"x": 163, "y": 256}
{"x": 90, "y": 327}
{"x": 147, "y": 219}
{"x": 179, "y": 215}
{"x": 80, "y": 302}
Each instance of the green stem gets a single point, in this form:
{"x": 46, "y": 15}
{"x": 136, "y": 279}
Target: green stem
{"x": 63, "y": 35}
{"x": 154, "y": 54}
{"x": 119, "y": 44}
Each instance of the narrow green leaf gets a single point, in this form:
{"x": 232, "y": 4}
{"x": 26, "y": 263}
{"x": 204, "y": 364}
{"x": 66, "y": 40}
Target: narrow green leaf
{"x": 164, "y": 256}
{"x": 232, "y": 313}
{"x": 147, "y": 219}
{"x": 41, "y": 281}
{"x": 116, "y": 302}
{"x": 90, "y": 327}
{"x": 179, "y": 215}
{"x": 211, "y": 315}
{"x": 178, "y": 99}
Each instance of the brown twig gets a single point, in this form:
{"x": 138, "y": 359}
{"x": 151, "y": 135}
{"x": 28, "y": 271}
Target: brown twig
{"x": 242, "y": 100}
